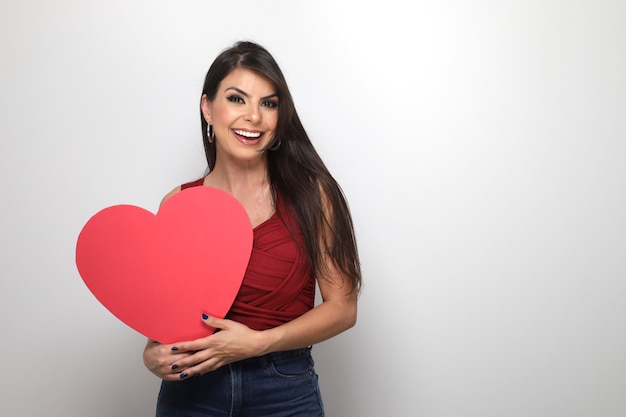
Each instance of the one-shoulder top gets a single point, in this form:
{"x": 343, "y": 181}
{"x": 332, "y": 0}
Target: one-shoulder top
{"x": 278, "y": 285}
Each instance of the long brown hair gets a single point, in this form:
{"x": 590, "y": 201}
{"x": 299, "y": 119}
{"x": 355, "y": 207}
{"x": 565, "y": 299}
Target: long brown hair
{"x": 295, "y": 169}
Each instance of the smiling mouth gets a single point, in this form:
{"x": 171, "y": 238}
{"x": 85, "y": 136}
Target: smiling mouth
{"x": 247, "y": 135}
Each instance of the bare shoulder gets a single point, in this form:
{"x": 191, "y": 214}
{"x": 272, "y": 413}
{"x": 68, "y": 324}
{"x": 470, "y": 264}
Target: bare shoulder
{"x": 170, "y": 194}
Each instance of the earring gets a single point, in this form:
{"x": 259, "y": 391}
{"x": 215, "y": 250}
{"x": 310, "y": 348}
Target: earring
{"x": 211, "y": 134}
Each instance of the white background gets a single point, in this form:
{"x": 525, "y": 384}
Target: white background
{"x": 482, "y": 147}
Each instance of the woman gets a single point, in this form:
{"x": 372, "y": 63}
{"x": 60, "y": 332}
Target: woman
{"x": 258, "y": 362}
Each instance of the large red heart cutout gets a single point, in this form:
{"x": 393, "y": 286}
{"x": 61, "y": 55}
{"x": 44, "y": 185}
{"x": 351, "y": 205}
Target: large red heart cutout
{"x": 159, "y": 273}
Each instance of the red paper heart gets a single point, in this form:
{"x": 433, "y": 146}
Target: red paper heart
{"x": 159, "y": 273}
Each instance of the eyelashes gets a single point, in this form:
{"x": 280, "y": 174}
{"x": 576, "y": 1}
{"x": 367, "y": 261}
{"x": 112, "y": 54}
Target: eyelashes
{"x": 270, "y": 104}
{"x": 235, "y": 99}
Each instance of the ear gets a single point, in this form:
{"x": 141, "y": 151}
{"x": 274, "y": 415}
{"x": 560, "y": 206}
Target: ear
{"x": 205, "y": 104}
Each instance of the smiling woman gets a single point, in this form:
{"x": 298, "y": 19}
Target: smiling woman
{"x": 244, "y": 115}
{"x": 259, "y": 361}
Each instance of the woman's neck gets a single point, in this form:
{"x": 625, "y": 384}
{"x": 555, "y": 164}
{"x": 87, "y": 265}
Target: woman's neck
{"x": 240, "y": 180}
{"x": 249, "y": 184}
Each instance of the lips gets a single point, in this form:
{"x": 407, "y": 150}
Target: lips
{"x": 247, "y": 134}
{"x": 247, "y": 137}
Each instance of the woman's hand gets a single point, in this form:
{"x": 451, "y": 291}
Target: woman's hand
{"x": 160, "y": 360}
{"x": 232, "y": 342}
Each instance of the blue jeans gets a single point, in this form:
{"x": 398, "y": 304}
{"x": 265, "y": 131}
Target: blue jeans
{"x": 279, "y": 384}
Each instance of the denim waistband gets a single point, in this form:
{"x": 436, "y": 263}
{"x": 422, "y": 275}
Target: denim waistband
{"x": 276, "y": 356}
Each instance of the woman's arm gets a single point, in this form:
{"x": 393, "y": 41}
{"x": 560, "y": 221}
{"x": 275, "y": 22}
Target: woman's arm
{"x": 235, "y": 341}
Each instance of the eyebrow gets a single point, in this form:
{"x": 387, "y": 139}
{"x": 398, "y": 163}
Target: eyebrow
{"x": 240, "y": 91}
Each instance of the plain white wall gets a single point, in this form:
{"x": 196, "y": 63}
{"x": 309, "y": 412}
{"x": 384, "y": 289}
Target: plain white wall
{"x": 482, "y": 146}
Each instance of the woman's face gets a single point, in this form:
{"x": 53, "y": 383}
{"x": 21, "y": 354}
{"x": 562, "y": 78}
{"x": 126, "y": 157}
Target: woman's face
{"x": 244, "y": 115}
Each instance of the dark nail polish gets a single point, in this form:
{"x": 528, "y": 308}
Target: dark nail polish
{"x": 174, "y": 348}
{"x": 183, "y": 375}
{"x": 174, "y": 366}
{"x": 204, "y": 316}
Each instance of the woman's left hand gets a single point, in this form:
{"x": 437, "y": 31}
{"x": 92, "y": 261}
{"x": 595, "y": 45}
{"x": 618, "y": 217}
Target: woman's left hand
{"x": 231, "y": 342}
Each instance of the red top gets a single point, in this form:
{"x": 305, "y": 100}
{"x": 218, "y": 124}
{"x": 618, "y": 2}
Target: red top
{"x": 278, "y": 285}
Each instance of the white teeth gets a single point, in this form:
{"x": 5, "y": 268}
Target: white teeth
{"x": 248, "y": 134}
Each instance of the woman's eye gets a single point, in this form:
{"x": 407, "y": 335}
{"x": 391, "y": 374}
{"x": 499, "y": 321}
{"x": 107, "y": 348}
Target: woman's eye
{"x": 234, "y": 99}
{"x": 270, "y": 104}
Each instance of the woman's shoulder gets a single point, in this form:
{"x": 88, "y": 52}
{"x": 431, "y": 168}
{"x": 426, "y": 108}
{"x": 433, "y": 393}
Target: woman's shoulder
{"x": 181, "y": 187}
{"x": 170, "y": 194}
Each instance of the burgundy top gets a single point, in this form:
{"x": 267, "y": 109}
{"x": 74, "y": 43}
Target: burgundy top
{"x": 278, "y": 285}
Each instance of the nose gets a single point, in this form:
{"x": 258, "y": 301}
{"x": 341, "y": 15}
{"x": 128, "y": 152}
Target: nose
{"x": 253, "y": 115}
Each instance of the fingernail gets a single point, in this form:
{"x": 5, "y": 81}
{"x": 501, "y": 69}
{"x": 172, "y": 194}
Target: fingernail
{"x": 174, "y": 348}
{"x": 204, "y": 316}
{"x": 183, "y": 375}
{"x": 174, "y": 366}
